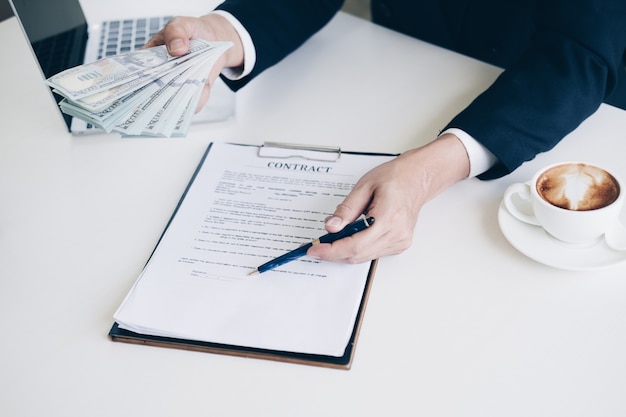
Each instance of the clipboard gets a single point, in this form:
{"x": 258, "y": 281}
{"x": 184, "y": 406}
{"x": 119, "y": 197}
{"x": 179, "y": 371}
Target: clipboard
{"x": 269, "y": 150}
{"x": 344, "y": 362}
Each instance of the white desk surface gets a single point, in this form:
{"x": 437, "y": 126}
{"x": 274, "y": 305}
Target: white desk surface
{"x": 461, "y": 324}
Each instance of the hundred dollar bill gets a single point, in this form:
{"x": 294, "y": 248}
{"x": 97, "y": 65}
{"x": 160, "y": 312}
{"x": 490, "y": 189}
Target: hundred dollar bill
{"x": 120, "y": 109}
{"x": 135, "y": 123}
{"x": 104, "y": 99}
{"x": 153, "y": 117}
{"x": 106, "y": 73}
{"x": 157, "y": 98}
{"x": 186, "y": 108}
{"x": 179, "y": 109}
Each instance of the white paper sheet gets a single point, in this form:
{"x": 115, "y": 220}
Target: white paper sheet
{"x": 240, "y": 211}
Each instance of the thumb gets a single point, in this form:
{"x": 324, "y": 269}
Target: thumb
{"x": 178, "y": 46}
{"x": 355, "y": 204}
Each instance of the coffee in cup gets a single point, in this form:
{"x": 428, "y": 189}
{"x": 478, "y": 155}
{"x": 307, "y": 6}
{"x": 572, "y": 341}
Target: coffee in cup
{"x": 575, "y": 202}
{"x": 577, "y": 186}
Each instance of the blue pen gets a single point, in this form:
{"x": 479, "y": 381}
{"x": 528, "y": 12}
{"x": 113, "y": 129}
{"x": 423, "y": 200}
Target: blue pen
{"x": 349, "y": 230}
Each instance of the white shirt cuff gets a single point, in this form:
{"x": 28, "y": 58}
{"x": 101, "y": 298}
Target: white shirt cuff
{"x": 480, "y": 158}
{"x": 249, "y": 52}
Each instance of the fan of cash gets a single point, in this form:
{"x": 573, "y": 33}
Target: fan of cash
{"x": 146, "y": 92}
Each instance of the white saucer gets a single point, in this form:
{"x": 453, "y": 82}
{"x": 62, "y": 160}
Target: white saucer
{"x": 535, "y": 243}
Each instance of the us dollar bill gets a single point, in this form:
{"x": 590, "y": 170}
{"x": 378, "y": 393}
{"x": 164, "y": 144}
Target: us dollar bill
{"x": 106, "y": 73}
{"x": 144, "y": 92}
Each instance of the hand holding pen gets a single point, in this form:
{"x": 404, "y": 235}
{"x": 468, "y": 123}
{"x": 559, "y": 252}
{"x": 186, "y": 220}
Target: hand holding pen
{"x": 349, "y": 230}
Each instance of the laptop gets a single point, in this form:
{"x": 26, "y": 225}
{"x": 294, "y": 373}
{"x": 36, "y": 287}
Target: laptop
{"x": 61, "y": 38}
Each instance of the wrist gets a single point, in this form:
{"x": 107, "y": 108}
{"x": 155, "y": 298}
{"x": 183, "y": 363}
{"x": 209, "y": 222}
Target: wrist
{"x": 440, "y": 164}
{"x": 223, "y": 30}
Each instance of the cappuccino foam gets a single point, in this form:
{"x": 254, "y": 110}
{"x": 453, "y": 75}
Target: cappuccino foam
{"x": 578, "y": 187}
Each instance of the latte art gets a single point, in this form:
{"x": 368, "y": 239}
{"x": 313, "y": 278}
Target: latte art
{"x": 578, "y": 187}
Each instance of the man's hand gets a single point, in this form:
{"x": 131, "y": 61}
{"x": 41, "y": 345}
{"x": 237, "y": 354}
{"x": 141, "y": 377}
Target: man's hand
{"x": 393, "y": 193}
{"x": 212, "y": 27}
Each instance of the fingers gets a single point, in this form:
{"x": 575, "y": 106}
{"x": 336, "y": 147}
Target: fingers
{"x": 204, "y": 97}
{"x": 391, "y": 234}
{"x": 393, "y": 193}
{"x": 206, "y": 91}
{"x": 393, "y": 202}
{"x": 355, "y": 204}
{"x": 178, "y": 32}
{"x": 175, "y": 35}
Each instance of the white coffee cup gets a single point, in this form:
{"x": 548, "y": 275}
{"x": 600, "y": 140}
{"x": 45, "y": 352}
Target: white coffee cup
{"x": 575, "y": 202}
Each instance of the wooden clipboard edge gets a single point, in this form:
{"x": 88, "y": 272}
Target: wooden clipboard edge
{"x": 359, "y": 318}
{"x": 344, "y": 362}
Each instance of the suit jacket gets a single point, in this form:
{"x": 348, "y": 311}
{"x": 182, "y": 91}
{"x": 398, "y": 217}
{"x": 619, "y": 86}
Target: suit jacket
{"x": 563, "y": 58}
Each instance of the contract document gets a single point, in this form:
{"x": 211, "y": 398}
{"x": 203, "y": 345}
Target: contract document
{"x": 244, "y": 206}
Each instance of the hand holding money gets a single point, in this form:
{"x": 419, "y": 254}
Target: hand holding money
{"x": 140, "y": 93}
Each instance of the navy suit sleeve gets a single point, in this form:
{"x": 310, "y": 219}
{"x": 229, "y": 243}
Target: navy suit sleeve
{"x": 576, "y": 56}
{"x": 278, "y": 27}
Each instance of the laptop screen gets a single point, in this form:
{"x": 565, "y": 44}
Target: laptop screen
{"x": 57, "y": 32}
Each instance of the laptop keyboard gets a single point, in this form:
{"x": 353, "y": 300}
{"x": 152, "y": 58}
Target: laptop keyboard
{"x": 119, "y": 36}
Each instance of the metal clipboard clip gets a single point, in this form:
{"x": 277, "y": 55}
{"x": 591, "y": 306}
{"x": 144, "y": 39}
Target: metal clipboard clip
{"x": 292, "y": 150}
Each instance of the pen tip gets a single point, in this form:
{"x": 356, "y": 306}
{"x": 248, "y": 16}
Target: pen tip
{"x": 253, "y": 272}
